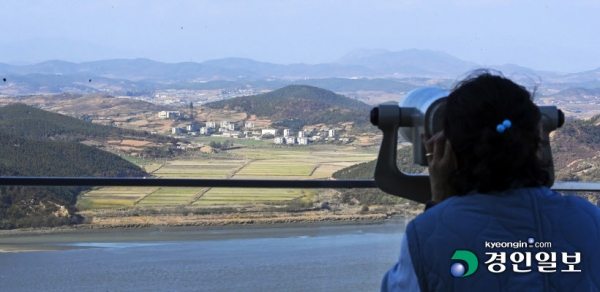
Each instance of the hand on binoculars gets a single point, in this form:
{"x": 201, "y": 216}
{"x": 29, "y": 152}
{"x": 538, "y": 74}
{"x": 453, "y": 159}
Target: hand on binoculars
{"x": 442, "y": 163}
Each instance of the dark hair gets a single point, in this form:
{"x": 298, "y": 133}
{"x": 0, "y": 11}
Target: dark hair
{"x": 488, "y": 160}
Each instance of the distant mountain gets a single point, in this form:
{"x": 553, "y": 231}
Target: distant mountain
{"x": 345, "y": 84}
{"x": 295, "y": 106}
{"x": 365, "y": 63}
{"x": 227, "y": 69}
{"x": 38, "y": 83}
{"x": 128, "y": 74}
{"x": 80, "y": 83}
{"x": 410, "y": 62}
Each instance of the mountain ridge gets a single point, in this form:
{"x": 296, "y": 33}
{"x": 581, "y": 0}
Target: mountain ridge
{"x": 374, "y": 63}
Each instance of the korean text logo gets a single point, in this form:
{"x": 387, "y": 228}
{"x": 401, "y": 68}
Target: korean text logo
{"x": 519, "y": 261}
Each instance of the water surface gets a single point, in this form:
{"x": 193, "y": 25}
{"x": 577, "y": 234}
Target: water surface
{"x": 306, "y": 258}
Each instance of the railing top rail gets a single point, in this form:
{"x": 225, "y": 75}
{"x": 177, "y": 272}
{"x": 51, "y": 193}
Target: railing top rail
{"x": 230, "y": 183}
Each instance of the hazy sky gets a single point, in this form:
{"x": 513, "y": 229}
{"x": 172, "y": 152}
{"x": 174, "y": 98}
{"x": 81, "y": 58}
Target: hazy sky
{"x": 548, "y": 35}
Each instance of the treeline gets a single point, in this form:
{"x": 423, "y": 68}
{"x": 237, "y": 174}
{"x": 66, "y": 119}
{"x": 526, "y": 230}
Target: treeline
{"x": 218, "y": 145}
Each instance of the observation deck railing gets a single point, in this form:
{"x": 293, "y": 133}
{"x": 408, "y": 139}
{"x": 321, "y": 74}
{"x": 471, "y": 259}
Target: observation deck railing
{"x": 232, "y": 183}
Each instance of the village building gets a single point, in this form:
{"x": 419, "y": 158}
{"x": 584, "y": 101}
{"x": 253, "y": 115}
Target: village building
{"x": 269, "y": 131}
{"x": 168, "y": 114}
{"x": 249, "y": 125}
{"x": 192, "y": 128}
{"x": 279, "y": 140}
{"x": 211, "y": 125}
{"x": 303, "y": 140}
{"x": 206, "y": 131}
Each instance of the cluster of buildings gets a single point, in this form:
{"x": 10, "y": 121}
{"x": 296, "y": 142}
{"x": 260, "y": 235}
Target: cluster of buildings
{"x": 249, "y": 131}
{"x": 301, "y": 138}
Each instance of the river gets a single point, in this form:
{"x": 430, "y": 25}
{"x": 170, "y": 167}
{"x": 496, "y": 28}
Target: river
{"x": 312, "y": 258}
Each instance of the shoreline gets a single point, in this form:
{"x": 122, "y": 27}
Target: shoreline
{"x": 54, "y": 239}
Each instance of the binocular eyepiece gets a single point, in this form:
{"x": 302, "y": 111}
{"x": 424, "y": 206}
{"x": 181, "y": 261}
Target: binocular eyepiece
{"x": 421, "y": 111}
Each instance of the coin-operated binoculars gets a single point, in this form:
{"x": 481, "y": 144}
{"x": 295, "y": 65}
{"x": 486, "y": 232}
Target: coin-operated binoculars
{"x": 421, "y": 111}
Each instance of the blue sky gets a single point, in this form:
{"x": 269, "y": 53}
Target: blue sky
{"x": 546, "y": 35}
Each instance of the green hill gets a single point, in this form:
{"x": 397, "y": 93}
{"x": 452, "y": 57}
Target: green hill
{"x": 35, "y": 151}
{"x": 295, "y": 106}
{"x": 33, "y": 123}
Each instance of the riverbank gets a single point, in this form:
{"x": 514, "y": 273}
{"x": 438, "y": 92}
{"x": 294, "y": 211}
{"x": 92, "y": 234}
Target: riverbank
{"x": 176, "y": 229}
{"x": 212, "y": 220}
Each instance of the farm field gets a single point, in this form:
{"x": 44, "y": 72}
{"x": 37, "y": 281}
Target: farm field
{"x": 272, "y": 168}
{"x": 302, "y": 163}
{"x": 198, "y": 168}
{"x": 227, "y": 196}
{"x": 170, "y": 196}
{"x": 113, "y": 197}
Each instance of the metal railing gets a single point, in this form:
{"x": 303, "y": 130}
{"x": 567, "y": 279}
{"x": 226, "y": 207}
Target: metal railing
{"x": 232, "y": 183}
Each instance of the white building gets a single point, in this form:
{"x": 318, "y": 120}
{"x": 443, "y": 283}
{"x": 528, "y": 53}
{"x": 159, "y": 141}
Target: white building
{"x": 206, "y": 131}
{"x": 287, "y": 132}
{"x": 168, "y": 114}
{"x": 175, "y": 130}
{"x": 303, "y": 140}
{"x": 211, "y": 125}
{"x": 225, "y": 124}
{"x": 290, "y": 140}
{"x": 301, "y": 134}
{"x": 331, "y": 133}
{"x": 249, "y": 125}
{"x": 279, "y": 140}
{"x": 192, "y": 128}
{"x": 230, "y": 127}
{"x": 269, "y": 131}
{"x": 234, "y": 134}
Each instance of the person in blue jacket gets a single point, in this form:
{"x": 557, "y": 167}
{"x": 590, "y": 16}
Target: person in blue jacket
{"x": 492, "y": 225}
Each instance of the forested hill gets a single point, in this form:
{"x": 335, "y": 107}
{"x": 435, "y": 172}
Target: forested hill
{"x": 295, "y": 106}
{"x": 33, "y": 123}
{"x": 575, "y": 149}
{"x": 23, "y": 206}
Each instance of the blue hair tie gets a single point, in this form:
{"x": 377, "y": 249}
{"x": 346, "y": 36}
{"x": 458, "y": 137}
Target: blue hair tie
{"x": 503, "y": 126}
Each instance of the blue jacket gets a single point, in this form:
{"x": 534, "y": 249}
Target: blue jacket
{"x": 504, "y": 223}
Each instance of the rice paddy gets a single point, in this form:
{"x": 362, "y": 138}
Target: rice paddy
{"x": 170, "y": 196}
{"x": 113, "y": 197}
{"x": 224, "y": 196}
{"x": 302, "y": 163}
